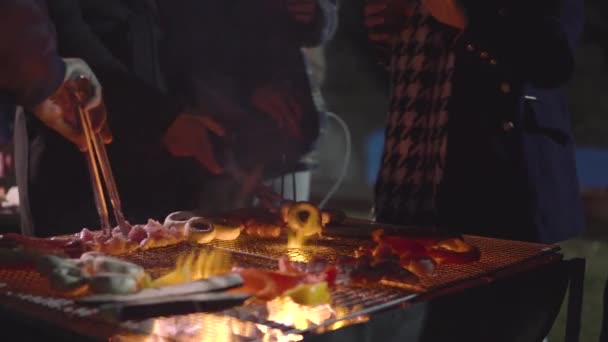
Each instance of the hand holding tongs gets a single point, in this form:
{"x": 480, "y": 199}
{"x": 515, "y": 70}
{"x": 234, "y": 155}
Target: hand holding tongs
{"x": 97, "y": 158}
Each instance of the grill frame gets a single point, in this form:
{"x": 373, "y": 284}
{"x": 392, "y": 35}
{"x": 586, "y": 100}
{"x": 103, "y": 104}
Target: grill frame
{"x": 492, "y": 267}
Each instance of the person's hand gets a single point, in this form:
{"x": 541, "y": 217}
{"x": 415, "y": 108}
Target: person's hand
{"x": 75, "y": 71}
{"x": 189, "y": 136}
{"x": 281, "y": 105}
{"x": 60, "y": 111}
{"x": 384, "y": 18}
{"x": 448, "y": 12}
{"x": 302, "y": 11}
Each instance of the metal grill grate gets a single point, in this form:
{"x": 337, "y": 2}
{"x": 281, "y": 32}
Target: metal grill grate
{"x": 256, "y": 320}
{"x": 27, "y": 281}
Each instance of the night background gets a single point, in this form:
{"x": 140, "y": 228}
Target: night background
{"x": 355, "y": 89}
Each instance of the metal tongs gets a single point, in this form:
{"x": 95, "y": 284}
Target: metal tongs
{"x": 97, "y": 158}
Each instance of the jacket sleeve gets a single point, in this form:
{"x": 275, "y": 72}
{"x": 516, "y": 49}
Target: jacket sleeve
{"x": 77, "y": 38}
{"x": 322, "y": 28}
{"x": 31, "y": 69}
{"x": 572, "y": 19}
{"x": 530, "y": 39}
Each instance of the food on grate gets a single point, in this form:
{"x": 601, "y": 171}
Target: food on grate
{"x": 297, "y": 218}
{"x": 384, "y": 252}
{"x": 419, "y": 265}
{"x": 303, "y": 218}
{"x": 94, "y": 262}
{"x": 92, "y": 272}
{"x": 445, "y": 256}
{"x": 315, "y": 271}
{"x": 226, "y": 230}
{"x": 200, "y": 230}
{"x": 64, "y": 275}
{"x": 301, "y": 284}
{"x": 56, "y": 246}
{"x": 267, "y": 285}
{"x": 259, "y": 222}
{"x": 420, "y": 254}
{"x": 310, "y": 294}
{"x": 113, "y": 283}
{"x": 178, "y": 219}
{"x": 177, "y": 228}
{"x": 367, "y": 270}
{"x": 392, "y": 271}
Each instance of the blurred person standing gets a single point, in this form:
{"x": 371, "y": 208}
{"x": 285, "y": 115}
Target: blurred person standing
{"x": 252, "y": 77}
{"x": 157, "y": 145}
{"x": 314, "y": 58}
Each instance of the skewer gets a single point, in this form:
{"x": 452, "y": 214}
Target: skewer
{"x": 108, "y": 176}
{"x": 100, "y": 202}
{"x": 97, "y": 157}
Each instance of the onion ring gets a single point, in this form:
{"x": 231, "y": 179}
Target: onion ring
{"x": 200, "y": 230}
{"x": 227, "y": 231}
{"x": 177, "y": 220}
{"x": 304, "y": 218}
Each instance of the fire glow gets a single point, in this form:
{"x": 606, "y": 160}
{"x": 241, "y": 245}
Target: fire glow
{"x": 196, "y": 266}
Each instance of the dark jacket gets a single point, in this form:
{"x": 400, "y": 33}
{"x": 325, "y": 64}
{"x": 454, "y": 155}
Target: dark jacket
{"x": 31, "y": 70}
{"x": 511, "y": 170}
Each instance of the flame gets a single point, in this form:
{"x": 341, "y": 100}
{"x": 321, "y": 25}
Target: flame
{"x": 295, "y": 239}
{"x": 343, "y": 312}
{"x": 276, "y": 335}
{"x": 195, "y": 266}
{"x": 202, "y": 327}
{"x": 285, "y": 311}
{"x": 455, "y": 245}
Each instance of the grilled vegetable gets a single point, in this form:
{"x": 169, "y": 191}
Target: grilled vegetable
{"x": 95, "y": 263}
{"x": 113, "y": 283}
{"x": 310, "y": 294}
{"x": 66, "y": 279}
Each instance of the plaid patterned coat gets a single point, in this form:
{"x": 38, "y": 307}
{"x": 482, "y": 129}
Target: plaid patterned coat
{"x": 416, "y": 133}
{"x": 478, "y": 137}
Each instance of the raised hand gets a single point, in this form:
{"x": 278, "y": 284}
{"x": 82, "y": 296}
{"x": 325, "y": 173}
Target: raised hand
{"x": 80, "y": 88}
{"x": 189, "y": 136}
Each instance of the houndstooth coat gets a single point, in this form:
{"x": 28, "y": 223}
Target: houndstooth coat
{"x": 478, "y": 137}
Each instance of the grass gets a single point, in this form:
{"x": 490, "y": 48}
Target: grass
{"x": 595, "y": 251}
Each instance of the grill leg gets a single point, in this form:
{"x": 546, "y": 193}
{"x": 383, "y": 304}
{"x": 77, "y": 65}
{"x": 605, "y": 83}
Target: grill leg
{"x": 604, "y": 326}
{"x": 575, "y": 299}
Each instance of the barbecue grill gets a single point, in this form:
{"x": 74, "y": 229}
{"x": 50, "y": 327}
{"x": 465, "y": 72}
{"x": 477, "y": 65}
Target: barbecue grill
{"x": 24, "y": 293}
